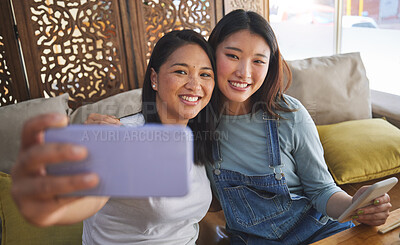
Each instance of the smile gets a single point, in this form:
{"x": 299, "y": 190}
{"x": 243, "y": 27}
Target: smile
{"x": 239, "y": 85}
{"x": 190, "y": 98}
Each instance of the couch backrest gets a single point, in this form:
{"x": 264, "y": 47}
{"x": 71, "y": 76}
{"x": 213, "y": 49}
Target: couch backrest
{"x": 333, "y": 88}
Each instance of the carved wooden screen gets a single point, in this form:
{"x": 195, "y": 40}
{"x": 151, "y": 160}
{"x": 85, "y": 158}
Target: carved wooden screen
{"x": 162, "y": 16}
{"x": 93, "y": 49}
{"x": 259, "y": 6}
{"x": 13, "y": 86}
{"x": 73, "y": 46}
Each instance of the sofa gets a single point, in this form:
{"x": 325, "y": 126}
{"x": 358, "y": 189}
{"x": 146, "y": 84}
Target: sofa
{"x": 361, "y": 139}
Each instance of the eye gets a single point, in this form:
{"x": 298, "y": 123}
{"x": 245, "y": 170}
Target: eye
{"x": 182, "y": 72}
{"x": 232, "y": 56}
{"x": 205, "y": 74}
{"x": 260, "y": 62}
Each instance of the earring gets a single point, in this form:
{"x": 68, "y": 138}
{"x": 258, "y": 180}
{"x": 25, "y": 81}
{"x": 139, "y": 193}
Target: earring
{"x": 154, "y": 85}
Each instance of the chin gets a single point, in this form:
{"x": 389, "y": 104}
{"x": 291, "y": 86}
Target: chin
{"x": 238, "y": 99}
{"x": 189, "y": 115}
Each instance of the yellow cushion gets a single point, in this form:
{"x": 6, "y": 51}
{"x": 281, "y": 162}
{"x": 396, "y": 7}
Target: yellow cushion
{"x": 361, "y": 150}
{"x": 15, "y": 230}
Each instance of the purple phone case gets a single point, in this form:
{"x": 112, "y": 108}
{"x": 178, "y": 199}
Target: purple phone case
{"x": 151, "y": 160}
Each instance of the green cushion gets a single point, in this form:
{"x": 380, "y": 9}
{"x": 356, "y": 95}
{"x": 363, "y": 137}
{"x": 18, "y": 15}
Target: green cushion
{"x": 15, "y": 230}
{"x": 361, "y": 150}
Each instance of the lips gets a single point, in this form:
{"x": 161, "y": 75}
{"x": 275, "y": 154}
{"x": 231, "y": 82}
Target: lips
{"x": 190, "y": 99}
{"x": 238, "y": 85}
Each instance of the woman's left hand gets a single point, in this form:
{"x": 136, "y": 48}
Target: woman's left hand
{"x": 375, "y": 214}
{"x": 95, "y": 118}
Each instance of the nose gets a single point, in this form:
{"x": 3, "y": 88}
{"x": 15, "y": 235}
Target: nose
{"x": 193, "y": 84}
{"x": 244, "y": 70}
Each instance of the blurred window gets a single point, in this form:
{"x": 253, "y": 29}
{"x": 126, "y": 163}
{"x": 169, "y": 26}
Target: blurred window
{"x": 306, "y": 28}
{"x": 303, "y": 28}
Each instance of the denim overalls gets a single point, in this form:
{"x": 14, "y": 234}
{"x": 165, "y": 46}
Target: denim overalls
{"x": 260, "y": 210}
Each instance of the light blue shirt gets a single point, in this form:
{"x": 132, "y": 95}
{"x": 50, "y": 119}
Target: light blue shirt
{"x": 243, "y": 148}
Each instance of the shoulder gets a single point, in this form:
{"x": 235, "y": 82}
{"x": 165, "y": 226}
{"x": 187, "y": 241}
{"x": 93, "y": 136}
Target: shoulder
{"x": 290, "y": 102}
{"x": 299, "y": 113}
{"x": 133, "y": 120}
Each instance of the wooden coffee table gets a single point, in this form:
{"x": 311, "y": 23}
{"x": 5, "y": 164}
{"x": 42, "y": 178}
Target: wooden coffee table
{"x": 366, "y": 235}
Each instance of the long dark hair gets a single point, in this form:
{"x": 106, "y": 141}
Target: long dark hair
{"x": 267, "y": 97}
{"x": 203, "y": 124}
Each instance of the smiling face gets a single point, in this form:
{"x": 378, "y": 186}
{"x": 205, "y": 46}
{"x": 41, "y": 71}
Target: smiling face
{"x": 242, "y": 65}
{"x": 184, "y": 84}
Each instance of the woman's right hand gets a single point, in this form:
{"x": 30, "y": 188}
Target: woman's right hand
{"x": 95, "y": 118}
{"x": 37, "y": 194}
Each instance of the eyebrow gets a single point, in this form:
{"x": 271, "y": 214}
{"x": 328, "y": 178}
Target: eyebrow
{"x": 186, "y": 65}
{"x": 239, "y": 50}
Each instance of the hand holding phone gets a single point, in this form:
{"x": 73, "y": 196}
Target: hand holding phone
{"x": 151, "y": 160}
{"x": 366, "y": 198}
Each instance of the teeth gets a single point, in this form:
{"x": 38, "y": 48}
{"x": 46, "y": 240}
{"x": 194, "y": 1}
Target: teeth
{"x": 239, "y": 85}
{"x": 191, "y": 99}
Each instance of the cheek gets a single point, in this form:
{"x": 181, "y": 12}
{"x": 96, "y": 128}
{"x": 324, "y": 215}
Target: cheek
{"x": 261, "y": 75}
{"x": 224, "y": 68}
{"x": 207, "y": 93}
{"x": 209, "y": 89}
{"x": 171, "y": 84}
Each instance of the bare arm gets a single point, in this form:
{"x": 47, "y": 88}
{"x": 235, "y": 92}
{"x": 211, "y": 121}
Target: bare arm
{"x": 37, "y": 194}
{"x": 337, "y": 204}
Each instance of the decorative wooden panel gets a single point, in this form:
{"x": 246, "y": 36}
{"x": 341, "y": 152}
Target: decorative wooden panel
{"x": 162, "y": 16}
{"x": 6, "y": 89}
{"x": 13, "y": 87}
{"x": 134, "y": 36}
{"x": 73, "y": 46}
{"x": 258, "y": 6}
{"x": 93, "y": 49}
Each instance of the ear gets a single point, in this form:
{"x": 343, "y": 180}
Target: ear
{"x": 153, "y": 78}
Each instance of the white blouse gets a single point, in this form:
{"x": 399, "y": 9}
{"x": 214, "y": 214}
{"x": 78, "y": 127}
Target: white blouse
{"x": 158, "y": 220}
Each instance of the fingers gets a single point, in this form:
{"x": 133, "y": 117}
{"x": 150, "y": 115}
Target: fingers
{"x": 32, "y": 131}
{"x": 375, "y": 214}
{"x": 373, "y": 219}
{"x": 33, "y": 161}
{"x": 95, "y": 118}
{"x": 382, "y": 199}
{"x": 48, "y": 187}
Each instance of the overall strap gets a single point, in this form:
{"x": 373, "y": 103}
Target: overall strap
{"x": 273, "y": 148}
{"x": 216, "y": 151}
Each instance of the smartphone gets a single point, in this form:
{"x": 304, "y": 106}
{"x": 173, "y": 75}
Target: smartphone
{"x": 376, "y": 190}
{"x": 153, "y": 160}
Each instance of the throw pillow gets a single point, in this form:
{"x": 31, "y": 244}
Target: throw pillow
{"x": 17, "y": 231}
{"x": 118, "y": 105}
{"x": 13, "y": 118}
{"x": 333, "y": 89}
{"x": 361, "y": 150}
